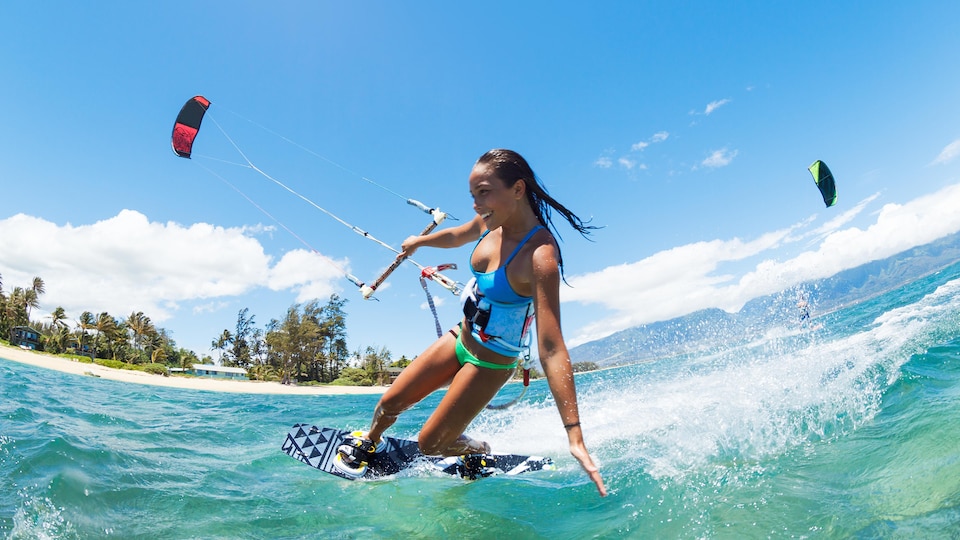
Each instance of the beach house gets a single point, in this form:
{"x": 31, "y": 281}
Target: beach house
{"x": 220, "y": 372}
{"x": 25, "y": 337}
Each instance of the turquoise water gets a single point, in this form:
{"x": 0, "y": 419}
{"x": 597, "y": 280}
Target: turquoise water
{"x": 852, "y": 431}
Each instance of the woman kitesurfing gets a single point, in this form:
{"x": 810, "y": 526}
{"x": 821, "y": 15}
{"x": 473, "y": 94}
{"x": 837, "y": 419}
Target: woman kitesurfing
{"x": 517, "y": 270}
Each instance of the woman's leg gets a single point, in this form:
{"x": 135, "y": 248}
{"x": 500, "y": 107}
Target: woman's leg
{"x": 428, "y": 372}
{"x": 470, "y": 391}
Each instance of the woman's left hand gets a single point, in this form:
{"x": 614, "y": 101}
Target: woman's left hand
{"x": 579, "y": 451}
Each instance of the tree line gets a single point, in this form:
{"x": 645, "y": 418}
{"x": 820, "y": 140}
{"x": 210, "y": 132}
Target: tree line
{"x": 308, "y": 345}
{"x": 133, "y": 339}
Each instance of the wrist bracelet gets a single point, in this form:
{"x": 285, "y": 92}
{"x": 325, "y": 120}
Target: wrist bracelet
{"x": 573, "y": 425}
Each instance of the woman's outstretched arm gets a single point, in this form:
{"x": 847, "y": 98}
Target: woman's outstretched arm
{"x": 554, "y": 356}
{"x": 450, "y": 237}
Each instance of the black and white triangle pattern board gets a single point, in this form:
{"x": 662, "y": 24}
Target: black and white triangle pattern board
{"x": 317, "y": 447}
{"x": 312, "y": 446}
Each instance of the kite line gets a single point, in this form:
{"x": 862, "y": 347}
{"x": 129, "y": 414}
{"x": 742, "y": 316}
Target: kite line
{"x": 185, "y": 131}
{"x": 187, "y": 127}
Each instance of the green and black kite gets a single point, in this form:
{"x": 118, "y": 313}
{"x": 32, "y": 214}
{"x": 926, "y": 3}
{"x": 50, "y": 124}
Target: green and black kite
{"x": 824, "y": 179}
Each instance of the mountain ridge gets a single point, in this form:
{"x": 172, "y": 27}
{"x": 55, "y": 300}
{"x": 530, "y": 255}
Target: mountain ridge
{"x": 708, "y": 327}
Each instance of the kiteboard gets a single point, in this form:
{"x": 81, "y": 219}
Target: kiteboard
{"x": 317, "y": 447}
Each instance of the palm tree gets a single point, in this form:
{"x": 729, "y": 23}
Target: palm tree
{"x": 86, "y": 322}
{"x": 58, "y": 317}
{"x": 30, "y": 301}
{"x": 58, "y": 329}
{"x": 263, "y": 372}
{"x": 106, "y": 327}
{"x": 33, "y": 295}
{"x": 158, "y": 354}
{"x": 221, "y": 343}
{"x": 142, "y": 327}
{"x": 15, "y": 311}
{"x": 9, "y": 315}
{"x": 61, "y": 338}
{"x": 120, "y": 342}
{"x": 188, "y": 358}
{"x": 3, "y": 307}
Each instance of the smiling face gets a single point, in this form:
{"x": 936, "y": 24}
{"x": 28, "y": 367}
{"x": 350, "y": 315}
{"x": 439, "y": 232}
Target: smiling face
{"x": 494, "y": 200}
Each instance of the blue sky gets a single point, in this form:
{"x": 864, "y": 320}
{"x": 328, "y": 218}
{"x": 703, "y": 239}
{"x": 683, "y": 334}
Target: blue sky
{"x": 684, "y": 128}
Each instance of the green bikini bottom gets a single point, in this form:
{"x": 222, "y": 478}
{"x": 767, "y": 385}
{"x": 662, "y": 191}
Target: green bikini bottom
{"x": 466, "y": 357}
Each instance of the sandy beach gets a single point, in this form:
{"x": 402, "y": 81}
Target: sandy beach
{"x": 74, "y": 367}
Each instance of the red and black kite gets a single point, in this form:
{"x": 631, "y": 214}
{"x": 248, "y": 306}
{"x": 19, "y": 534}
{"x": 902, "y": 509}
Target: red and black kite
{"x": 188, "y": 124}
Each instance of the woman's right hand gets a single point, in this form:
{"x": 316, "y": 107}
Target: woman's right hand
{"x": 410, "y": 245}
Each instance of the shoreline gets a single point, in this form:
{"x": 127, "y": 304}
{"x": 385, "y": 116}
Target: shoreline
{"x": 66, "y": 365}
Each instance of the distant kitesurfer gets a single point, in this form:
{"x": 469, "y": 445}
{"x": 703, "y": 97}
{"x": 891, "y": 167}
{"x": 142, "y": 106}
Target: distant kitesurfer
{"x": 804, "y": 308}
{"x": 517, "y": 270}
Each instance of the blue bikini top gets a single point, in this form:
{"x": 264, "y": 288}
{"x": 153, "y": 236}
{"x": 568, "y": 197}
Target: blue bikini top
{"x": 495, "y": 285}
{"x": 498, "y": 318}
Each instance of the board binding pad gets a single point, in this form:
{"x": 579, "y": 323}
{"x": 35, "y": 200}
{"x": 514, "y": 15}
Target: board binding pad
{"x": 317, "y": 447}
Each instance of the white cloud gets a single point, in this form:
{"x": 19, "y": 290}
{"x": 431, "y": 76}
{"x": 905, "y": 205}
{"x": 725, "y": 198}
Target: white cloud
{"x": 626, "y": 163}
{"x": 657, "y": 137}
{"x": 714, "y": 105}
{"x": 719, "y": 158}
{"x": 684, "y": 279}
{"x": 210, "y": 307}
{"x": 312, "y": 274}
{"x": 947, "y": 155}
{"x": 603, "y": 162}
{"x": 843, "y": 218}
{"x": 438, "y": 301}
{"x": 662, "y": 286}
{"x": 127, "y": 263}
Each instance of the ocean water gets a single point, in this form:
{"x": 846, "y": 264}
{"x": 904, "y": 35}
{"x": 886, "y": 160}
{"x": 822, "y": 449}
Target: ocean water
{"x": 849, "y": 431}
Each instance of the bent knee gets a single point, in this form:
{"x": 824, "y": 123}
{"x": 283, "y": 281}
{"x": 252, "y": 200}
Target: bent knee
{"x": 434, "y": 444}
{"x": 448, "y": 444}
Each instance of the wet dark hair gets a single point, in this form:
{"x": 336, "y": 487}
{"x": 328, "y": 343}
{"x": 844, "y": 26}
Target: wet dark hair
{"x": 509, "y": 167}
